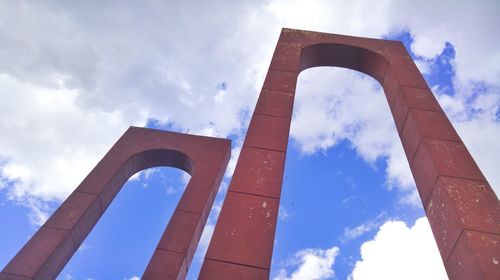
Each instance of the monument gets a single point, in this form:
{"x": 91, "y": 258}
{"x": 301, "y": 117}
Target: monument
{"x": 462, "y": 209}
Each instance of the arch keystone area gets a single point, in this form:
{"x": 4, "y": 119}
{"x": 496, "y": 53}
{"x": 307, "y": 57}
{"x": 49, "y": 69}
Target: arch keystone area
{"x": 462, "y": 209}
{"x": 205, "y": 158}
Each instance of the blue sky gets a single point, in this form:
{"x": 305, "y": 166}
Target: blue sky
{"x": 74, "y": 76}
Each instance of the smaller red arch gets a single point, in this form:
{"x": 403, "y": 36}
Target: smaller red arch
{"x": 205, "y": 158}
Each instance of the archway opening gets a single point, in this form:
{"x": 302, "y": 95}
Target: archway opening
{"x": 346, "y": 175}
{"x": 137, "y": 217}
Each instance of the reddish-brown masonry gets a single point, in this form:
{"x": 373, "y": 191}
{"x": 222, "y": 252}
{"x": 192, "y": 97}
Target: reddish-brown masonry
{"x": 56, "y": 241}
{"x": 462, "y": 209}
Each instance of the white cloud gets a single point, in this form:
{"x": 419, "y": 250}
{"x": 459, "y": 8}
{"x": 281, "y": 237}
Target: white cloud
{"x": 429, "y": 45}
{"x": 144, "y": 174}
{"x": 351, "y": 233}
{"x": 73, "y": 77}
{"x": 324, "y": 116}
{"x": 133, "y": 278}
{"x": 51, "y": 143}
{"x": 400, "y": 252}
{"x": 70, "y": 85}
{"x": 432, "y": 24}
{"x": 391, "y": 254}
{"x": 342, "y": 17}
{"x": 310, "y": 264}
{"x": 324, "y": 112}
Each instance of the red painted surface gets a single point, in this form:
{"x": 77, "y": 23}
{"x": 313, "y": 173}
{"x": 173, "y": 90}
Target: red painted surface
{"x": 258, "y": 163}
{"x": 275, "y": 103}
{"x": 412, "y": 98}
{"x": 215, "y": 270}
{"x": 475, "y": 256}
{"x": 268, "y": 132}
{"x": 248, "y": 231}
{"x": 463, "y": 211}
{"x": 458, "y": 203}
{"x": 205, "y": 158}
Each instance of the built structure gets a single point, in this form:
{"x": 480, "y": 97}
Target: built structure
{"x": 462, "y": 209}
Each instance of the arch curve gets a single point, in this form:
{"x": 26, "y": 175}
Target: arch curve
{"x": 156, "y": 158}
{"x": 345, "y": 56}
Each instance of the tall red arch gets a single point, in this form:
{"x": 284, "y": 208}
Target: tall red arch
{"x": 205, "y": 158}
{"x": 462, "y": 209}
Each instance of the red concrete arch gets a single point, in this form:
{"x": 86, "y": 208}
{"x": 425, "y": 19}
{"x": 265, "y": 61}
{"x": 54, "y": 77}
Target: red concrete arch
{"x": 205, "y": 158}
{"x": 449, "y": 182}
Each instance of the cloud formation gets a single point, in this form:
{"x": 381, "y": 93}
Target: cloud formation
{"x": 73, "y": 77}
{"x": 324, "y": 115}
{"x": 311, "y": 264}
{"x": 400, "y": 252}
{"x": 351, "y": 233}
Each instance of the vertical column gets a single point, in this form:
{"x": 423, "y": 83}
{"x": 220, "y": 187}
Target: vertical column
{"x": 242, "y": 244}
{"x": 462, "y": 209}
{"x": 175, "y": 251}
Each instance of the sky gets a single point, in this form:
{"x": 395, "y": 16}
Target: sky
{"x": 74, "y": 75}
